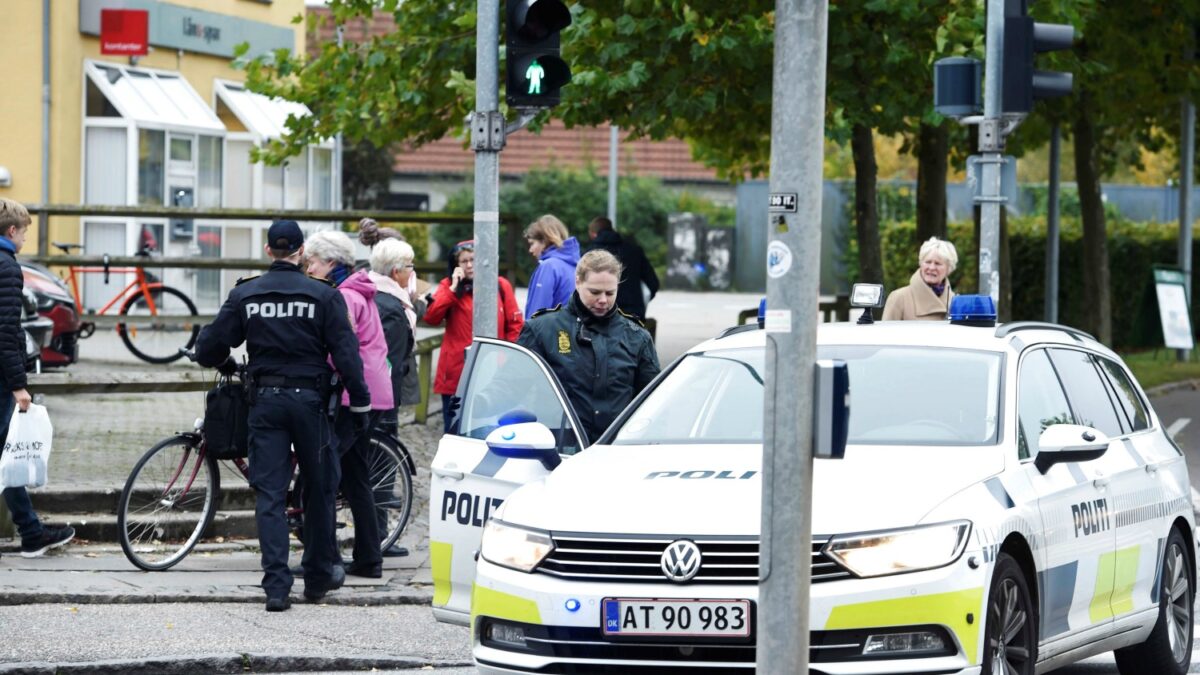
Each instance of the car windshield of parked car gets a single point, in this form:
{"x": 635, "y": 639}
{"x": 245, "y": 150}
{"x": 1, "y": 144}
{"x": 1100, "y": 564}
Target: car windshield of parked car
{"x": 899, "y": 395}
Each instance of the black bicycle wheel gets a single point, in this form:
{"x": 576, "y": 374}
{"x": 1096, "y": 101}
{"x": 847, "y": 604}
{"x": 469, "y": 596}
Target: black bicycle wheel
{"x": 168, "y": 502}
{"x": 391, "y": 486}
{"x": 173, "y": 327}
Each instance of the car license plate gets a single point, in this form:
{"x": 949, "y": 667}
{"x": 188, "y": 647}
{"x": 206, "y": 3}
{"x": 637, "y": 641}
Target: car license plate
{"x": 679, "y": 618}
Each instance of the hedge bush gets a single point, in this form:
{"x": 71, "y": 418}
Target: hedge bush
{"x": 1133, "y": 249}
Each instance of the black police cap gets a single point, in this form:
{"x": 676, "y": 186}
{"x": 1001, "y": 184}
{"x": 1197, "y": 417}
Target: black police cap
{"x": 285, "y": 235}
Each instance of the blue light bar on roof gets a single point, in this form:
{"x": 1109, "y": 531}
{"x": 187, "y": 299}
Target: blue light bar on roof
{"x": 972, "y": 310}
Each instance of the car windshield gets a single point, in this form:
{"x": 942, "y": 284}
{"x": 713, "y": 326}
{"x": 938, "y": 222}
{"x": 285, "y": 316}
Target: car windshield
{"x": 899, "y": 395}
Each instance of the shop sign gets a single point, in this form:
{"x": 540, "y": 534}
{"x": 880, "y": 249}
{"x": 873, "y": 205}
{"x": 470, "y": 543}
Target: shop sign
{"x": 124, "y": 32}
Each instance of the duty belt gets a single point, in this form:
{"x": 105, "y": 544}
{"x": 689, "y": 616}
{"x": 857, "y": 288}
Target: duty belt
{"x": 289, "y": 382}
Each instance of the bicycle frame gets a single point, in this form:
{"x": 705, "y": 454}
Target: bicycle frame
{"x": 139, "y": 282}
{"x": 179, "y": 471}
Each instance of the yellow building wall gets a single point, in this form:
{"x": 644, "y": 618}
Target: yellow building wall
{"x": 21, "y": 111}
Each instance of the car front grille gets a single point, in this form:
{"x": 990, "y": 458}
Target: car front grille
{"x": 635, "y": 558}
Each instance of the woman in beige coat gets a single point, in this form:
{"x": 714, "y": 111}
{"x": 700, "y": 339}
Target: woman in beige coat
{"x": 927, "y": 295}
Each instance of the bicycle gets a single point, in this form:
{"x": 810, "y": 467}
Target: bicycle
{"x": 174, "y": 312}
{"x": 171, "y": 496}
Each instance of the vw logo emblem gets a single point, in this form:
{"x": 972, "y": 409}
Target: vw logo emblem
{"x": 681, "y": 560}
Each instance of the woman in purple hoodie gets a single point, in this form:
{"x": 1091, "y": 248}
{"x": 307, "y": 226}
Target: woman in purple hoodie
{"x": 330, "y": 256}
{"x": 557, "y": 253}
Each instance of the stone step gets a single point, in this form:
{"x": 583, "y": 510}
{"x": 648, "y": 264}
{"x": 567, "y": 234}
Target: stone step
{"x": 102, "y": 527}
{"x": 49, "y": 501}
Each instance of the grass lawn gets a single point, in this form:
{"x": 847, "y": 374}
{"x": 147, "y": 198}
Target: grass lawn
{"x": 1153, "y": 368}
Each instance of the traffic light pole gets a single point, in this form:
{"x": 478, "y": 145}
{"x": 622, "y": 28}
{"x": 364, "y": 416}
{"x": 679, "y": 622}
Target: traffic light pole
{"x": 487, "y": 138}
{"x": 793, "y": 272}
{"x": 991, "y": 146}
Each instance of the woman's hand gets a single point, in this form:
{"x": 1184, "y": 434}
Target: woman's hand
{"x": 456, "y": 277}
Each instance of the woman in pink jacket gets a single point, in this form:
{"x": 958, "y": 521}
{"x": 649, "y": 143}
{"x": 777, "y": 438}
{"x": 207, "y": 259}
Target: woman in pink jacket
{"x": 330, "y": 256}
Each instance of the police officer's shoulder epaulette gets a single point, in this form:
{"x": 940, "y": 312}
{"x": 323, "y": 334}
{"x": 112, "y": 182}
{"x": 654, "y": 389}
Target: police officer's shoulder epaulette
{"x": 243, "y": 280}
{"x": 631, "y": 317}
{"x": 546, "y": 310}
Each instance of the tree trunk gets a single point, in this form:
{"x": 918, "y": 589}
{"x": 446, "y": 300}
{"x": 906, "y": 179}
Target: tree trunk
{"x": 1097, "y": 297}
{"x": 866, "y": 210}
{"x": 933, "y": 145}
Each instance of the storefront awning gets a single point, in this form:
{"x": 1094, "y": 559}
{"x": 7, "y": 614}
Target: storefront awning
{"x": 264, "y": 117}
{"x": 153, "y": 97}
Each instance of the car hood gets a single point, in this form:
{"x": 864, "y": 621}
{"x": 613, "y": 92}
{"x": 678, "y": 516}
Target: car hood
{"x": 717, "y": 489}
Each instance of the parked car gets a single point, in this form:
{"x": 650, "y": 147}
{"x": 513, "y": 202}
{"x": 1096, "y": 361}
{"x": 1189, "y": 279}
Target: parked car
{"x": 53, "y": 301}
{"x": 37, "y": 332}
{"x": 1008, "y": 502}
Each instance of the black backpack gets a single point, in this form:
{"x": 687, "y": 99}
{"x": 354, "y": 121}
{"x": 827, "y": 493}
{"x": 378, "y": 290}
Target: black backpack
{"x": 226, "y": 421}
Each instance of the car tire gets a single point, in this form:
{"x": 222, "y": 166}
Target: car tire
{"x": 1010, "y": 631}
{"x": 1168, "y": 649}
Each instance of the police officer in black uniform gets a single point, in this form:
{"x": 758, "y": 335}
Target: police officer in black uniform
{"x": 602, "y": 357}
{"x": 291, "y": 324}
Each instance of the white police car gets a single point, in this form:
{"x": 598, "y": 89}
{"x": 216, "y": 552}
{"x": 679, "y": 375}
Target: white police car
{"x": 1008, "y": 502}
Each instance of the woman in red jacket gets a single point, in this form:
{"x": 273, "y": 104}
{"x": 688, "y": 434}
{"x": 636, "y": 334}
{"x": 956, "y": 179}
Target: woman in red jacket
{"x": 453, "y": 302}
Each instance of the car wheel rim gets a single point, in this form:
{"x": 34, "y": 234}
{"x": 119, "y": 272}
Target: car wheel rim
{"x": 1009, "y": 638}
{"x": 1177, "y": 594}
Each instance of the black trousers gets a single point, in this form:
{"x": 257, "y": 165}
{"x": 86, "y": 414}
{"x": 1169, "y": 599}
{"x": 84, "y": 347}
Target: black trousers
{"x": 357, "y": 489}
{"x": 282, "y": 419}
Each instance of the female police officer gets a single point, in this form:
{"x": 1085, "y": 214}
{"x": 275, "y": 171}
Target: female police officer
{"x": 291, "y": 324}
{"x": 602, "y": 357}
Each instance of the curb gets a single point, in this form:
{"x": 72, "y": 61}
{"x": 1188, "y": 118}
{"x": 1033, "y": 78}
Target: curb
{"x": 1171, "y": 387}
{"x": 231, "y": 663}
{"x": 18, "y": 597}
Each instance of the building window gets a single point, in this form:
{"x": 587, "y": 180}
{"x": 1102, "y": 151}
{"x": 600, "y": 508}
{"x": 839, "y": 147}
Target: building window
{"x": 296, "y": 196}
{"x": 151, "y": 167}
{"x": 272, "y": 187}
{"x": 210, "y": 172}
{"x": 181, "y": 149}
{"x": 239, "y": 177}
{"x": 322, "y": 187}
{"x": 208, "y": 282}
{"x": 104, "y": 166}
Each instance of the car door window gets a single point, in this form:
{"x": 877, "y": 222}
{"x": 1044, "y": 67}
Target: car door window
{"x": 1126, "y": 394}
{"x": 1088, "y": 393}
{"x": 1040, "y": 401}
{"x": 504, "y": 379}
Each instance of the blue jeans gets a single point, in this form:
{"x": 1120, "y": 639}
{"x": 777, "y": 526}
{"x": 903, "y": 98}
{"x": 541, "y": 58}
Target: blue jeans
{"x": 17, "y": 499}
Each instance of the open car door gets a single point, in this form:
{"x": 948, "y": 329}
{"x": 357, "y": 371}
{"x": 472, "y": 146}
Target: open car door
{"x": 469, "y": 482}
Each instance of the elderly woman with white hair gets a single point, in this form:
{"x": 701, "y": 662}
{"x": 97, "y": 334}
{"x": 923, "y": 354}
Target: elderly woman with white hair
{"x": 329, "y": 255}
{"x": 927, "y": 295}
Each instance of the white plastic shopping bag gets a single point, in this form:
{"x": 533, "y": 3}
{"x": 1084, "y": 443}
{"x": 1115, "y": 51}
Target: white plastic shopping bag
{"x": 27, "y": 450}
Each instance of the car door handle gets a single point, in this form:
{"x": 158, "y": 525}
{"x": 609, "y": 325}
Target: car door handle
{"x": 448, "y": 475}
{"x": 1100, "y": 483}
{"x": 1152, "y": 469}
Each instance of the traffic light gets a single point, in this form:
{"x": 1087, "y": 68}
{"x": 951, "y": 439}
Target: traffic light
{"x": 535, "y": 69}
{"x": 1023, "y": 40}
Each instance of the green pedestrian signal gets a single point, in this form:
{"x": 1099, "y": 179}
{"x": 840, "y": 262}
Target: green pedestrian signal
{"x": 535, "y": 69}
{"x": 534, "y": 73}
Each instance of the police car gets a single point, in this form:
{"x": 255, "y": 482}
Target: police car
{"x": 1008, "y": 502}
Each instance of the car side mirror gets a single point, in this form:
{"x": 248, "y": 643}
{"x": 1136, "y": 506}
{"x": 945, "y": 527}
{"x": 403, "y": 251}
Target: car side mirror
{"x": 1069, "y": 443}
{"x": 525, "y": 440}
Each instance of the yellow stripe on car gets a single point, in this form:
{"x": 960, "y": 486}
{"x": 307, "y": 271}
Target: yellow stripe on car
{"x": 440, "y": 554}
{"x": 502, "y": 605}
{"x": 948, "y": 609}
{"x": 1115, "y": 577}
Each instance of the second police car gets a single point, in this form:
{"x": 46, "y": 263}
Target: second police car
{"x": 1008, "y": 502}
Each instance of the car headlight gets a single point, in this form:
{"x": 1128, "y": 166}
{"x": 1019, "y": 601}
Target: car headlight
{"x": 513, "y": 546}
{"x": 877, "y": 554}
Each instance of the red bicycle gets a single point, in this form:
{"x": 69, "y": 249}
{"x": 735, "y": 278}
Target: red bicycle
{"x": 158, "y": 320}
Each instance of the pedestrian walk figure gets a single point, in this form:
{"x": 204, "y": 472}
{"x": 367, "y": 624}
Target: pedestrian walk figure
{"x": 534, "y": 74}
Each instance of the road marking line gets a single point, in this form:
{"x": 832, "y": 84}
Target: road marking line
{"x": 1177, "y": 426}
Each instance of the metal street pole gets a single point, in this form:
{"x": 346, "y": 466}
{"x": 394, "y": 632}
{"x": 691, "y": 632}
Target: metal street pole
{"x": 1052, "y": 235}
{"x": 1187, "y": 143}
{"x": 43, "y": 217}
{"x": 991, "y": 142}
{"x": 487, "y": 137}
{"x": 793, "y": 272}
{"x": 338, "y": 149}
{"x": 614, "y": 139}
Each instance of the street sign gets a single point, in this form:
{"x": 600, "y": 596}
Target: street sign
{"x": 783, "y": 202}
{"x": 124, "y": 32}
{"x": 1171, "y": 288}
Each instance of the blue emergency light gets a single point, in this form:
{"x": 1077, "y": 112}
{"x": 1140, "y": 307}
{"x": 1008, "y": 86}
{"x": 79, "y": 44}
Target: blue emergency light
{"x": 762, "y": 312}
{"x": 972, "y": 310}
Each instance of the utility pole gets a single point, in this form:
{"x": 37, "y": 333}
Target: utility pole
{"x": 793, "y": 273}
{"x": 487, "y": 137}
{"x": 991, "y": 146}
{"x": 338, "y": 148}
{"x": 614, "y": 139}
{"x": 1187, "y": 155}
{"x": 1052, "y": 235}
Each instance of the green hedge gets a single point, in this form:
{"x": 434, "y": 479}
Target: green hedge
{"x": 1133, "y": 249}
